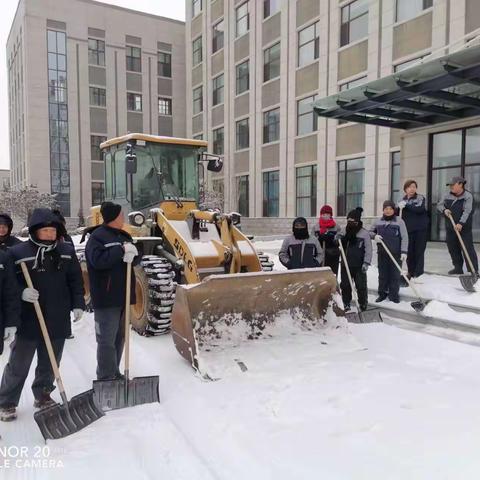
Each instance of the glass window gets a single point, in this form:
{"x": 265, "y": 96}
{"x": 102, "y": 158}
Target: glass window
{"x": 407, "y": 9}
{"x": 271, "y": 193}
{"x": 472, "y": 145}
{"x": 308, "y": 44}
{"x": 271, "y": 62}
{"x": 218, "y": 141}
{"x": 217, "y": 91}
{"x": 134, "y": 102}
{"x": 196, "y": 7}
{"x": 306, "y": 191}
{"x": 395, "y": 188}
{"x": 271, "y": 126}
{"x": 307, "y": 119}
{"x": 351, "y": 180}
{"x": 198, "y": 137}
{"x": 197, "y": 100}
{"x": 217, "y": 36}
{"x": 97, "y": 193}
{"x": 270, "y": 7}
{"x": 242, "y": 77}
{"x": 354, "y": 24}
{"x": 197, "y": 54}
{"x": 119, "y": 175}
{"x": 95, "y": 141}
{"x": 164, "y": 106}
{"x": 134, "y": 59}
{"x": 242, "y": 134}
{"x": 407, "y": 64}
{"x": 241, "y": 20}
{"x": 242, "y": 195}
{"x": 447, "y": 149}
{"x": 96, "y": 52}
{"x": 164, "y": 64}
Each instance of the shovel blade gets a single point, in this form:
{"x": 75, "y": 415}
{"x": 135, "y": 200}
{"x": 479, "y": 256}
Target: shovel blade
{"x": 371, "y": 316}
{"x": 353, "y": 317}
{"x": 59, "y": 421}
{"x": 418, "y": 305}
{"x": 468, "y": 282}
{"x": 143, "y": 390}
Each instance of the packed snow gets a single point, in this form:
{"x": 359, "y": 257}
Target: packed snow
{"x": 369, "y": 402}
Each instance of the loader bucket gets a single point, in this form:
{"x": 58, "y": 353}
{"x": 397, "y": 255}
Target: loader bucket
{"x": 226, "y": 310}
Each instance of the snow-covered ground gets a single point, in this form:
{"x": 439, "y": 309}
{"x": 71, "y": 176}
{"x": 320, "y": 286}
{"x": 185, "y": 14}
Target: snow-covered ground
{"x": 372, "y": 402}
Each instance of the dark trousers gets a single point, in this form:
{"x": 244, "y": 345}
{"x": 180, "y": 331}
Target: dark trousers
{"x": 388, "y": 276}
{"x": 417, "y": 243}
{"x": 16, "y": 371}
{"x": 455, "y": 249}
{"x": 360, "y": 280}
{"x": 332, "y": 262}
{"x": 110, "y": 334}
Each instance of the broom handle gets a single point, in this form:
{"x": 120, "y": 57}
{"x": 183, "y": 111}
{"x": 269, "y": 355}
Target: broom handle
{"x": 347, "y": 268}
{"x": 464, "y": 248}
{"x": 127, "y": 323}
{"x": 46, "y": 336}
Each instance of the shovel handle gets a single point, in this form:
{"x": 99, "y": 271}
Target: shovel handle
{"x": 46, "y": 336}
{"x": 464, "y": 248}
{"x": 127, "y": 321}
{"x": 349, "y": 275}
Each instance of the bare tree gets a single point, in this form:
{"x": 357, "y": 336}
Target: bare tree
{"x": 211, "y": 200}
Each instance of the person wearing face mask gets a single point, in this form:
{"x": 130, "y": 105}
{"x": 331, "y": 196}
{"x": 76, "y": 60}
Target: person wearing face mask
{"x": 392, "y": 231}
{"x": 58, "y": 287}
{"x": 357, "y": 246}
{"x": 325, "y": 231}
{"x": 7, "y": 240}
{"x": 300, "y": 250}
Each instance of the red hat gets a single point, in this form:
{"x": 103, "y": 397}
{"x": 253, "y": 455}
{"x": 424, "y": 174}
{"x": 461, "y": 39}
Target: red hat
{"x": 326, "y": 209}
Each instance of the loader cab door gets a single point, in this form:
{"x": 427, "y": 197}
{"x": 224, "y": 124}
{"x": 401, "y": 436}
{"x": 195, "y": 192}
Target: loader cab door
{"x": 116, "y": 179}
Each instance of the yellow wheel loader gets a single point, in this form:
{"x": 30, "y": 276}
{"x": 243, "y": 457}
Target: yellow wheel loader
{"x": 200, "y": 276}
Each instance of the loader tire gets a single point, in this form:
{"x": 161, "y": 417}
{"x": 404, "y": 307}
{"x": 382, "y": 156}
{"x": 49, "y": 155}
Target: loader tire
{"x": 267, "y": 264}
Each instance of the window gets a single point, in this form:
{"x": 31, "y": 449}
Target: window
{"x": 217, "y": 91}
{"x": 196, "y": 7}
{"x": 308, "y": 44}
{"x": 407, "y": 64}
{"x": 218, "y": 141}
{"x": 396, "y": 193}
{"x": 96, "y": 52}
{"x": 306, "y": 191}
{"x": 95, "y": 152}
{"x": 164, "y": 106}
{"x": 198, "y": 137}
{"x": 271, "y": 126}
{"x": 197, "y": 54}
{"x": 351, "y": 179}
{"x": 270, "y": 194}
{"x": 134, "y": 102}
{"x": 97, "y": 193}
{"x": 347, "y": 86}
{"x": 242, "y": 195}
{"x": 98, "y": 97}
{"x": 197, "y": 100}
{"x": 242, "y": 78}
{"x": 271, "y": 62}
{"x": 164, "y": 64}
{"x": 407, "y": 9}
{"x": 241, "y": 20}
{"x": 242, "y": 130}
{"x": 217, "y": 37}
{"x": 354, "y": 22}
{"x": 307, "y": 119}
{"x": 134, "y": 59}
{"x": 270, "y": 7}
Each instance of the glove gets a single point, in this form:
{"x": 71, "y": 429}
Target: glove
{"x": 77, "y": 314}
{"x": 9, "y": 332}
{"x": 130, "y": 252}
{"x": 365, "y": 267}
{"x": 30, "y": 295}
{"x": 378, "y": 238}
{"x": 447, "y": 213}
{"x": 402, "y": 204}
{"x": 403, "y": 257}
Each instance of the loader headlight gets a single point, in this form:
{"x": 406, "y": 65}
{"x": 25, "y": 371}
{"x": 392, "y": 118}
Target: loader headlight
{"x": 136, "y": 218}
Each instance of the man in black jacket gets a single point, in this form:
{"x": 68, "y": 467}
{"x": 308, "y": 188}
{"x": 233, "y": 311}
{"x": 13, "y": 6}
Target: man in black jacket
{"x": 58, "y": 287}
{"x": 458, "y": 204}
{"x": 7, "y": 240}
{"x": 108, "y": 251}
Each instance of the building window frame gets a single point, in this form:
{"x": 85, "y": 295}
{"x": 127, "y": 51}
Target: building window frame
{"x": 133, "y": 56}
{"x": 197, "y": 97}
{"x": 242, "y": 134}
{"x": 271, "y": 7}
{"x": 271, "y": 194}
{"x": 164, "y": 64}
{"x": 309, "y": 193}
{"x": 271, "y": 125}
{"x": 134, "y": 102}
{"x": 243, "y": 194}
{"x": 164, "y": 106}
{"x": 95, "y": 152}
{"x": 242, "y": 19}
{"x": 218, "y": 90}
{"x": 197, "y": 7}
{"x": 305, "y": 111}
{"x": 218, "y": 36}
{"x": 98, "y": 96}
{"x": 96, "y": 52}
{"x": 426, "y": 4}
{"x": 349, "y": 166}
{"x": 347, "y": 19}
{"x": 97, "y": 198}
{"x": 218, "y": 140}
{"x": 271, "y": 62}
{"x": 197, "y": 51}
{"x": 242, "y": 79}
{"x": 305, "y": 44}
{"x": 395, "y": 188}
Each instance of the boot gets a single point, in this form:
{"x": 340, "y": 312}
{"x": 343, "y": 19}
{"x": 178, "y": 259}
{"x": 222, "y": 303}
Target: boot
{"x": 8, "y": 414}
{"x": 346, "y": 307}
{"x": 44, "y": 401}
{"x": 455, "y": 271}
{"x": 381, "y": 297}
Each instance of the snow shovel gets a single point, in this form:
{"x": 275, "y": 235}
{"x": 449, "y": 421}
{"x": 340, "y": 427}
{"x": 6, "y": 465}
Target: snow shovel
{"x": 467, "y": 280}
{"x": 368, "y": 316}
{"x": 417, "y": 305}
{"x": 123, "y": 392}
{"x": 58, "y": 421}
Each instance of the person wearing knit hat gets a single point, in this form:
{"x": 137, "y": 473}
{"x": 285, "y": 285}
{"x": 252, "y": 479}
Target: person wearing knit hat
{"x": 390, "y": 230}
{"x": 7, "y": 240}
{"x": 325, "y": 231}
{"x": 110, "y": 211}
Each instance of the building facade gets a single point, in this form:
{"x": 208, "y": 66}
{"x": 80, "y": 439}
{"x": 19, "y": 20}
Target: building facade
{"x": 80, "y": 71}
{"x": 254, "y": 69}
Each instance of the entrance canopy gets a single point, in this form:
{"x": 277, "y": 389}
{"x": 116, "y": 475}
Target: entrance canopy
{"x": 434, "y": 92}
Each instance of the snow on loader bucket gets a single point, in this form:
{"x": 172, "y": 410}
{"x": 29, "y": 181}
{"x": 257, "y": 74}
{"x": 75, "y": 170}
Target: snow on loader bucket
{"x": 225, "y": 310}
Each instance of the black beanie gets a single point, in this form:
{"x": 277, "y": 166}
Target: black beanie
{"x": 355, "y": 214}
{"x": 300, "y": 228}
{"x": 110, "y": 211}
{"x": 388, "y": 203}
